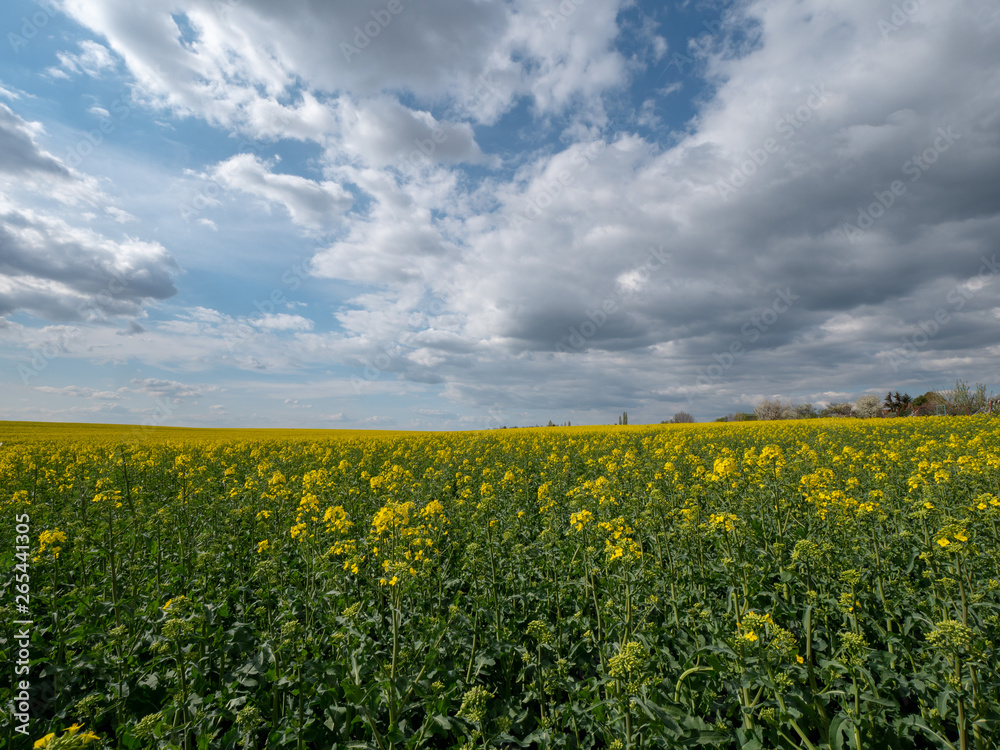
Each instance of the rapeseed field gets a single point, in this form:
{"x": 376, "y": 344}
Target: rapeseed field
{"x": 797, "y": 584}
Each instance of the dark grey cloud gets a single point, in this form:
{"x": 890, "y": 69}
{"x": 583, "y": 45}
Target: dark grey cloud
{"x": 170, "y": 389}
{"x": 19, "y": 152}
{"x": 60, "y": 273}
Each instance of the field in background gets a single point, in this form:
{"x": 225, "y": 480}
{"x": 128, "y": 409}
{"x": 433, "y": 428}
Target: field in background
{"x": 817, "y": 583}
{"x": 37, "y": 432}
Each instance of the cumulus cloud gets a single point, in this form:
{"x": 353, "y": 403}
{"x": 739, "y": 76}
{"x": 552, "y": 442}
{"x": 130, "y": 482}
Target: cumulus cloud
{"x": 63, "y": 273}
{"x": 310, "y": 204}
{"x": 237, "y": 66}
{"x": 57, "y": 270}
{"x": 381, "y": 131}
{"x": 283, "y": 322}
{"x": 781, "y": 186}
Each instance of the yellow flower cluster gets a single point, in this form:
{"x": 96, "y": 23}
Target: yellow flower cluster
{"x": 579, "y": 520}
{"x": 619, "y": 543}
{"x": 70, "y": 739}
{"x": 51, "y": 539}
{"x": 336, "y": 520}
{"x": 400, "y": 543}
{"x": 726, "y": 520}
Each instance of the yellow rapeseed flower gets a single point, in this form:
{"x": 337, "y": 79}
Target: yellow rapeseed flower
{"x": 581, "y": 519}
{"x": 51, "y": 540}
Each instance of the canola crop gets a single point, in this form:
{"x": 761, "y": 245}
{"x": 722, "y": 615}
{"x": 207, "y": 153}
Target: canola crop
{"x": 803, "y": 584}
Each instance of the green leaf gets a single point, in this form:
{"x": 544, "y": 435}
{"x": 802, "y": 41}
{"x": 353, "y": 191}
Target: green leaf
{"x": 942, "y": 702}
{"x": 838, "y": 731}
{"x": 443, "y": 721}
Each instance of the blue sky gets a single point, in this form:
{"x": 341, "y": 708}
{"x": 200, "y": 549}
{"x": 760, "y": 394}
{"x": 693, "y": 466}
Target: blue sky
{"x": 455, "y": 215}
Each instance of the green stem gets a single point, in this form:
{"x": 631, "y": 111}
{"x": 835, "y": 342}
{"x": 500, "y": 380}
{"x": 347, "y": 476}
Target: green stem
{"x": 393, "y": 707}
{"x": 181, "y": 671}
{"x": 857, "y": 714}
{"x": 963, "y": 740}
{"x": 684, "y": 675}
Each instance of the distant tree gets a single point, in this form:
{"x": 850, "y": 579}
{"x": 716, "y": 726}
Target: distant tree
{"x": 681, "y": 417}
{"x": 797, "y": 411}
{"x": 837, "y": 410}
{"x": 768, "y": 409}
{"x": 926, "y": 404}
{"x": 805, "y": 411}
{"x": 775, "y": 409}
{"x": 868, "y": 406}
{"x": 968, "y": 400}
{"x": 897, "y": 404}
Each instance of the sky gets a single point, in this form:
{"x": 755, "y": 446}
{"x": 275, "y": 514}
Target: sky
{"x": 433, "y": 214}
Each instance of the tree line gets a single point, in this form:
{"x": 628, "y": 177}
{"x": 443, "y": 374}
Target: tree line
{"x": 962, "y": 399}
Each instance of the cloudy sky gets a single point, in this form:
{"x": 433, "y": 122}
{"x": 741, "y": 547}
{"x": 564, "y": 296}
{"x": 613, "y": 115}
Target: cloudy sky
{"x": 440, "y": 214}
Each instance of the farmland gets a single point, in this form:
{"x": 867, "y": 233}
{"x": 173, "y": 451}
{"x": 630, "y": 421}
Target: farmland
{"x": 817, "y": 584}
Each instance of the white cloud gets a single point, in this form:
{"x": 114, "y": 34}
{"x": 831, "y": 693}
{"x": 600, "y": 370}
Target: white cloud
{"x": 60, "y": 272}
{"x": 241, "y": 66}
{"x": 383, "y": 132}
{"x": 20, "y": 152}
{"x": 283, "y": 322}
{"x": 93, "y": 59}
{"x": 8, "y": 94}
{"x": 49, "y": 266}
{"x": 169, "y": 389}
{"x": 79, "y": 392}
{"x": 120, "y": 216}
{"x": 311, "y": 204}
